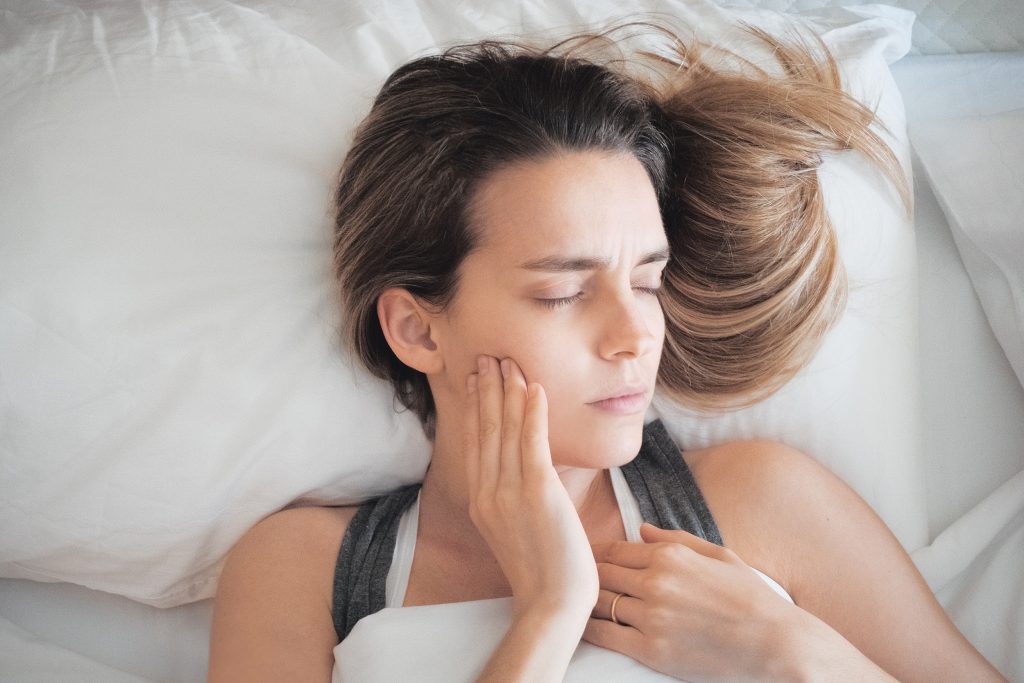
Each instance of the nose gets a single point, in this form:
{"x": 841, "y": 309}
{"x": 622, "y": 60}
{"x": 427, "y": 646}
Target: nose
{"x": 627, "y": 328}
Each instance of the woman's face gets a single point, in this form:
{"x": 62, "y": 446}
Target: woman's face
{"x": 571, "y": 250}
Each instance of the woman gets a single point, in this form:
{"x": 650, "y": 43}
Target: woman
{"x": 527, "y": 243}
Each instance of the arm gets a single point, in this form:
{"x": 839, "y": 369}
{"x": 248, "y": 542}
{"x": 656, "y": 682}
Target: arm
{"x": 537, "y": 647}
{"x": 838, "y": 560}
{"x": 272, "y": 612}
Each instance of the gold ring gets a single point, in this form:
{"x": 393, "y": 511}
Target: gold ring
{"x": 619, "y": 595}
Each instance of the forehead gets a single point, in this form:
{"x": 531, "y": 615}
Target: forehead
{"x": 594, "y": 202}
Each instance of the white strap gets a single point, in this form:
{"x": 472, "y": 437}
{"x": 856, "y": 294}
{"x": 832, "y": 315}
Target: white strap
{"x": 405, "y": 548}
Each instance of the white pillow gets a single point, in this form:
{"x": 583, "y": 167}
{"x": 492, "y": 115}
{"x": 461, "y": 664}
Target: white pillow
{"x": 974, "y": 165}
{"x": 170, "y": 370}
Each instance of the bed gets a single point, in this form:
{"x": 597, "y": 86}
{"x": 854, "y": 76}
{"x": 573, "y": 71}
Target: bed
{"x": 169, "y": 370}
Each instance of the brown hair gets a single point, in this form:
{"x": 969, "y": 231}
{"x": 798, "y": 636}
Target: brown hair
{"x": 439, "y": 126}
{"x": 754, "y": 280}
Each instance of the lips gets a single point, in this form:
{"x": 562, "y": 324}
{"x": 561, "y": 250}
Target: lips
{"x": 624, "y": 390}
{"x": 624, "y": 401}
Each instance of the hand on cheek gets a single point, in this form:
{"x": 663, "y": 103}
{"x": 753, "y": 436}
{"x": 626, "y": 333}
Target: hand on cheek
{"x": 516, "y": 499}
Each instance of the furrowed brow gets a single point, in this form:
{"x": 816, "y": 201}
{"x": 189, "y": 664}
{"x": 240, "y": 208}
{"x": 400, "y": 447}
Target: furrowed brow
{"x": 566, "y": 264}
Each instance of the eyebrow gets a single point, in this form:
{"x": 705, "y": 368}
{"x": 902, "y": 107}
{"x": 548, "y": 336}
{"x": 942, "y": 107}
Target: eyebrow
{"x": 566, "y": 264}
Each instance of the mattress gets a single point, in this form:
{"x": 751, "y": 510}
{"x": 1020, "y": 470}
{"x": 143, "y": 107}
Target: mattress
{"x": 973, "y": 421}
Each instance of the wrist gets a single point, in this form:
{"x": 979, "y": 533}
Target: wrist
{"x": 564, "y": 611}
{"x": 808, "y": 649}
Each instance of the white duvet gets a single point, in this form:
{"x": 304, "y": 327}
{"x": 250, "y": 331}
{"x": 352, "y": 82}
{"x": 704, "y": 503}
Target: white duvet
{"x": 453, "y": 643}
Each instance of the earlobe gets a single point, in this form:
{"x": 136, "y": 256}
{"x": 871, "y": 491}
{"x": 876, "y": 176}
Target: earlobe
{"x": 408, "y": 330}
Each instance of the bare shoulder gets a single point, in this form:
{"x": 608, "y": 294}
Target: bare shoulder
{"x": 272, "y": 612}
{"x": 768, "y": 499}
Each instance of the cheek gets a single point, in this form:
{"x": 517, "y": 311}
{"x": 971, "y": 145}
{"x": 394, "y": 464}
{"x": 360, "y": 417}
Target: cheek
{"x": 546, "y": 358}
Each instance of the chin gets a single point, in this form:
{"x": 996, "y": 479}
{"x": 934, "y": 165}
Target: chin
{"x": 604, "y": 442}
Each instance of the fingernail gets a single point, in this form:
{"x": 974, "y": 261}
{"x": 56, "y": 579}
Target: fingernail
{"x": 481, "y": 363}
{"x": 505, "y": 369}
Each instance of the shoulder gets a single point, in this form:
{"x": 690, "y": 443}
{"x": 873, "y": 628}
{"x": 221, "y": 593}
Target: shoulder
{"x": 786, "y": 514}
{"x": 779, "y": 509}
{"x": 310, "y": 529}
{"x": 761, "y": 468}
{"x": 740, "y": 474}
{"x": 301, "y": 544}
{"x": 272, "y": 611}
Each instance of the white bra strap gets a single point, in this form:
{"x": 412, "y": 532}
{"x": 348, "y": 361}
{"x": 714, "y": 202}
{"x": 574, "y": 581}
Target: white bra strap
{"x": 405, "y": 548}
{"x": 628, "y": 507}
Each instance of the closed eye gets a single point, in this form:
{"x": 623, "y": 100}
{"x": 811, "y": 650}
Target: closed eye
{"x": 569, "y": 300}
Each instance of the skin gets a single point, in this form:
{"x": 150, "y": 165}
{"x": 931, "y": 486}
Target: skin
{"x": 517, "y": 501}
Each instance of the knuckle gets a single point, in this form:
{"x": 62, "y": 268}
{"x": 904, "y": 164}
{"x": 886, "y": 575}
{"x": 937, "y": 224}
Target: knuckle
{"x": 657, "y": 620}
{"x": 509, "y": 428}
{"x": 476, "y": 514}
{"x": 506, "y": 501}
{"x": 654, "y": 649}
{"x": 488, "y": 427}
{"x": 530, "y": 441}
{"x": 654, "y": 585}
{"x": 669, "y": 554}
{"x": 729, "y": 555}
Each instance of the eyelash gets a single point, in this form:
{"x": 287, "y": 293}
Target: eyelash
{"x": 569, "y": 300}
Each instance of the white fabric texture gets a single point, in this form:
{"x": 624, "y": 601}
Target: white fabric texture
{"x": 972, "y": 396}
{"x": 984, "y": 203}
{"x": 168, "y": 317}
{"x": 452, "y": 643}
{"x": 25, "y": 658}
{"x": 942, "y": 26}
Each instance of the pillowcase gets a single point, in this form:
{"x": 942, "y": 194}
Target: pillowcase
{"x": 973, "y": 163}
{"x": 170, "y": 364}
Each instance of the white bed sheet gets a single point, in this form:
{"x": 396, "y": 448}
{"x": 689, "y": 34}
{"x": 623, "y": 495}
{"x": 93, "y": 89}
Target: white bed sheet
{"x": 974, "y": 437}
{"x": 973, "y": 404}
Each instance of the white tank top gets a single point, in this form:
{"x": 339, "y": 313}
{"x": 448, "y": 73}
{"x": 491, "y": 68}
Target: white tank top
{"x": 405, "y": 543}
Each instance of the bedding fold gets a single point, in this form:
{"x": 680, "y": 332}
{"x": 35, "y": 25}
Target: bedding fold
{"x": 27, "y": 658}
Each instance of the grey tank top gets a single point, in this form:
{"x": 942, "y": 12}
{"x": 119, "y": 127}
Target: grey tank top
{"x": 659, "y": 478}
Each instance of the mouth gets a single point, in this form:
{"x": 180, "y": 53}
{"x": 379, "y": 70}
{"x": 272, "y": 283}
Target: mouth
{"x": 623, "y": 404}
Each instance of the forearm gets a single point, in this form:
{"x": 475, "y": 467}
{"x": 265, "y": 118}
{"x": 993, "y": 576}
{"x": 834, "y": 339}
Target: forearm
{"x": 537, "y": 646}
{"x": 811, "y": 650}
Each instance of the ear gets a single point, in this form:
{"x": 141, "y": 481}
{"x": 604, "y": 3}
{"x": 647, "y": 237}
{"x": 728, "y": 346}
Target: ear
{"x": 407, "y": 326}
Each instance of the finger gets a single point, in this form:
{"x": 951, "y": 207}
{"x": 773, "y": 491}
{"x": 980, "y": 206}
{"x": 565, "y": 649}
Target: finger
{"x": 628, "y": 609}
{"x": 536, "y": 449}
{"x": 512, "y": 421}
{"x": 624, "y": 554}
{"x": 618, "y": 579}
{"x": 624, "y": 639}
{"x": 652, "y": 534}
{"x": 600, "y": 551}
{"x": 491, "y": 400}
{"x": 471, "y": 438}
